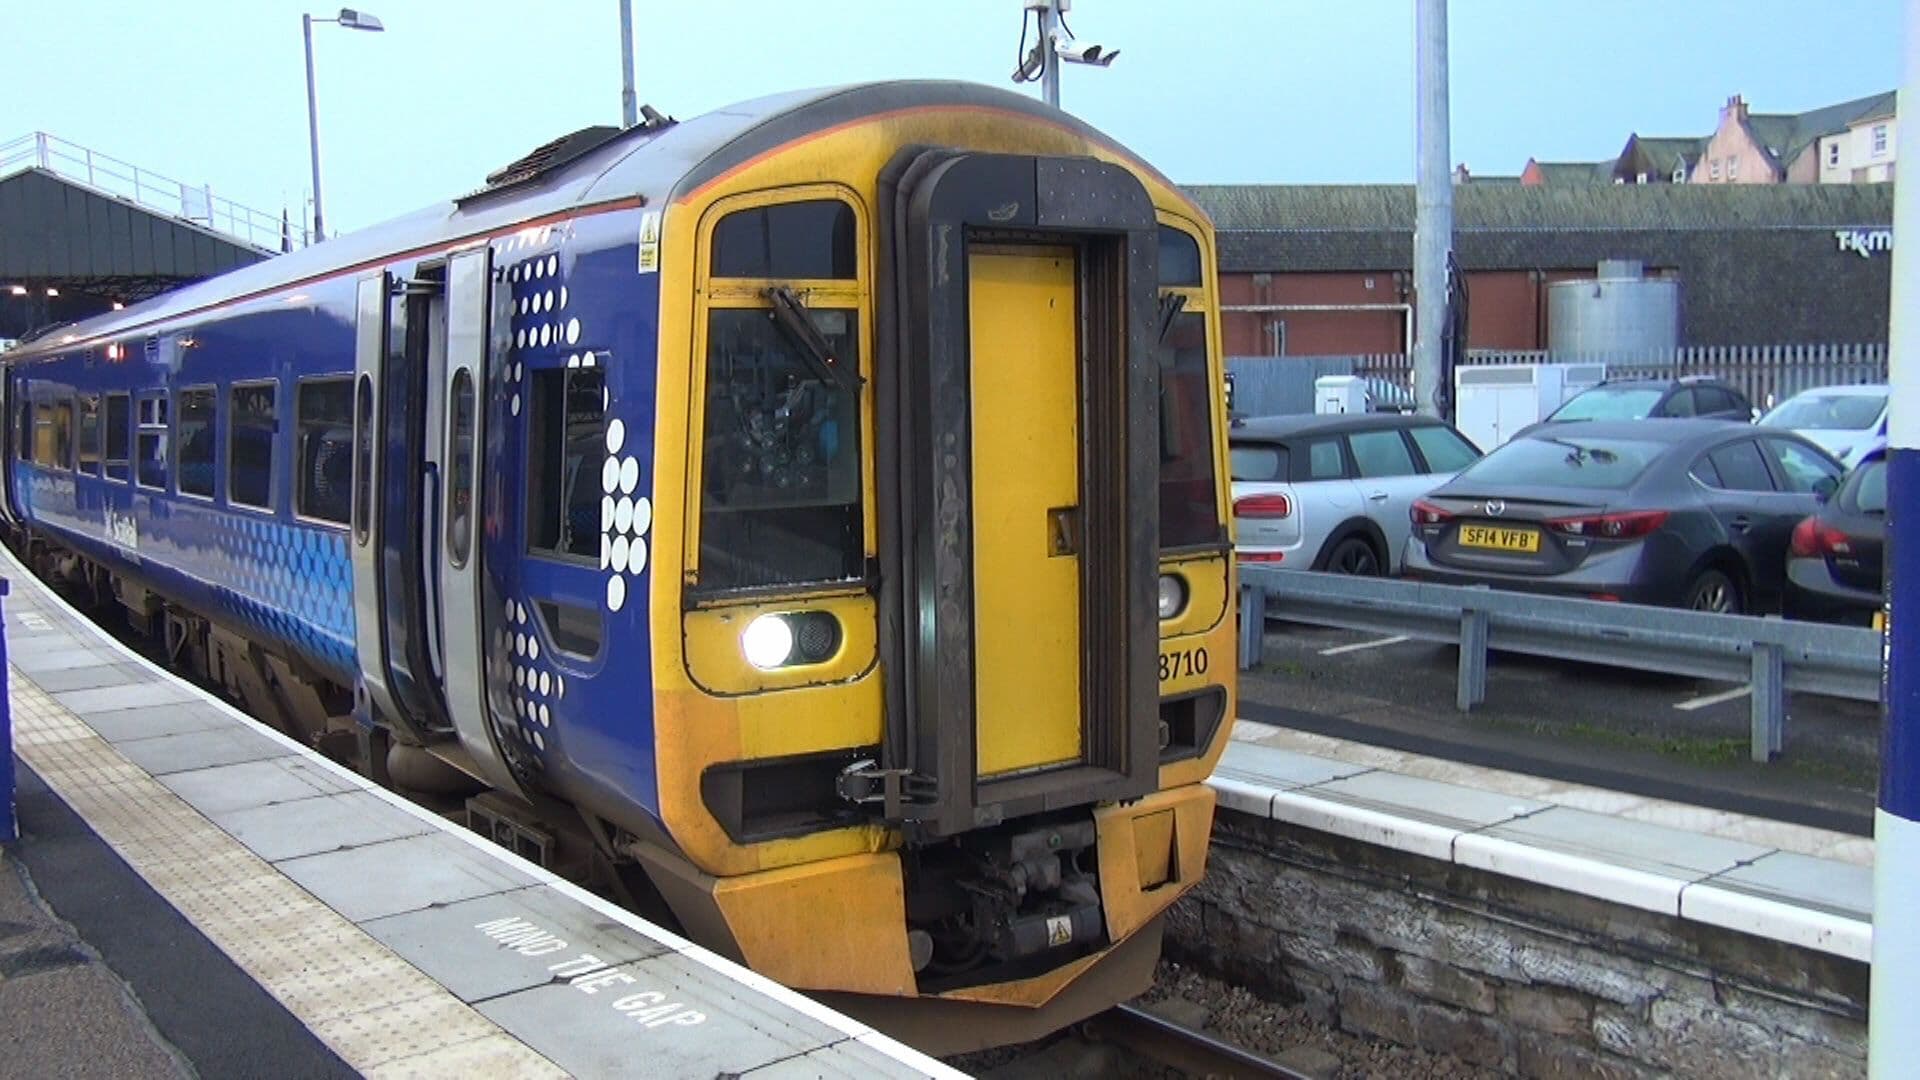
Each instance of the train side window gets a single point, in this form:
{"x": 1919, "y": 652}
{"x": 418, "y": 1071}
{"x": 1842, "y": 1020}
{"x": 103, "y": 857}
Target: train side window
{"x": 780, "y": 502}
{"x": 119, "y": 419}
{"x": 324, "y": 450}
{"x": 151, "y": 442}
{"x": 89, "y": 451}
{"x": 567, "y": 441}
{"x": 363, "y": 459}
{"x": 193, "y": 442}
{"x": 43, "y": 435}
{"x": 63, "y": 433}
{"x": 252, "y": 427}
{"x": 812, "y": 239}
{"x": 460, "y": 453}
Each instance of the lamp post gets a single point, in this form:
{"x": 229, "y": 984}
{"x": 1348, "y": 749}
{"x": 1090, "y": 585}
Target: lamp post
{"x": 352, "y": 20}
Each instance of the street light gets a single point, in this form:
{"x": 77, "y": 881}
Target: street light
{"x": 352, "y": 20}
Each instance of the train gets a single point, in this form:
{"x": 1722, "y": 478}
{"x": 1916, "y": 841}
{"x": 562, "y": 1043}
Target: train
{"x": 806, "y": 522}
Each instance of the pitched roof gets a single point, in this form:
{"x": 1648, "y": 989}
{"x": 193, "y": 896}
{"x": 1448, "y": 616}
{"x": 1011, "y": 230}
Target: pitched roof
{"x": 1786, "y": 135}
{"x": 1576, "y": 172}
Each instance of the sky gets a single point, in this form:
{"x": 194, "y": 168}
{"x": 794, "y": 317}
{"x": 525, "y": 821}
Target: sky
{"x": 1235, "y": 91}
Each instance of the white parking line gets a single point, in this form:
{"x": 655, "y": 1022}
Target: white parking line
{"x": 1713, "y": 699}
{"x": 1358, "y": 645}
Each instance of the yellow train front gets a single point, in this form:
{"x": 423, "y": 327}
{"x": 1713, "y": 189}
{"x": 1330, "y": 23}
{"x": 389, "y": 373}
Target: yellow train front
{"x": 948, "y": 653}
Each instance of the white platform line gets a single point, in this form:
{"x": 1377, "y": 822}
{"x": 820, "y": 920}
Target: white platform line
{"x": 1712, "y": 699}
{"x": 1358, "y": 645}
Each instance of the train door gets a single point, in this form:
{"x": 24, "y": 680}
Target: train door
{"x": 1021, "y": 622}
{"x": 421, "y": 369}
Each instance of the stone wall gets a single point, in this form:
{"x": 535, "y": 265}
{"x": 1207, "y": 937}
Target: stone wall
{"x": 1509, "y": 975}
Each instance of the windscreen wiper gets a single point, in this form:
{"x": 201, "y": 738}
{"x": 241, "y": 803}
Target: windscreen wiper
{"x": 1171, "y": 304}
{"x": 792, "y": 318}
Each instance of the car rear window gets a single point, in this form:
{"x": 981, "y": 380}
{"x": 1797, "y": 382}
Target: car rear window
{"x": 1257, "y": 461}
{"x": 1444, "y": 451}
{"x": 1566, "y": 461}
{"x": 1868, "y": 486}
{"x": 1611, "y": 403}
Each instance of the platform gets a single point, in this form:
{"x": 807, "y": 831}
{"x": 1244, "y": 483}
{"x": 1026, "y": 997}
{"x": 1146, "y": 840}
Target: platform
{"x": 405, "y": 943}
{"x": 1790, "y": 883}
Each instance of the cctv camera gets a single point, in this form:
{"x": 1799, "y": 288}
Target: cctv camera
{"x": 1075, "y": 52}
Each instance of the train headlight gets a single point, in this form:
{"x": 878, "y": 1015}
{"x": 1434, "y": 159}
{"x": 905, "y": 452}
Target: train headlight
{"x": 1173, "y": 595}
{"x": 768, "y": 642}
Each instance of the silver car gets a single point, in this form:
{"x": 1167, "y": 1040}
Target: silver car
{"x": 1844, "y": 420}
{"x": 1333, "y": 492}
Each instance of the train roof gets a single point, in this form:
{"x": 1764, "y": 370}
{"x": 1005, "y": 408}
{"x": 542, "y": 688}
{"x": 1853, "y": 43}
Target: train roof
{"x": 653, "y": 162}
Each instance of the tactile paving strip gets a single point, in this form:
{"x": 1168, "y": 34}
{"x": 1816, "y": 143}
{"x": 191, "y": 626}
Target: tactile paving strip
{"x": 378, "y": 1012}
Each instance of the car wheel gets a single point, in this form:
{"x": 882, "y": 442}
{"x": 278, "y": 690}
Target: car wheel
{"x": 1354, "y": 556}
{"x": 1714, "y": 591}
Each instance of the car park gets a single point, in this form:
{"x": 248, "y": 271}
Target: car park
{"x": 1845, "y": 420}
{"x": 1332, "y": 492}
{"x": 1835, "y": 557}
{"x": 1690, "y": 396}
{"x": 1691, "y": 513}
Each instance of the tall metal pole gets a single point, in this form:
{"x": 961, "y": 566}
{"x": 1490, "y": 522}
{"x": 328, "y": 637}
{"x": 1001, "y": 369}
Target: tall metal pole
{"x": 629, "y": 108}
{"x": 1893, "y": 1038}
{"x": 1049, "y": 56}
{"x": 1433, "y": 208}
{"x": 313, "y": 126}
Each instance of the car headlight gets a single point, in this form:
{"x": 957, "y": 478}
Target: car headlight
{"x": 1173, "y": 596}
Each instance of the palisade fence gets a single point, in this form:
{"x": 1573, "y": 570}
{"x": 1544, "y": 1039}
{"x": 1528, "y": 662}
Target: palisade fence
{"x": 1767, "y": 374}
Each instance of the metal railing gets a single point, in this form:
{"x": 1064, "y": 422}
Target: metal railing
{"x": 149, "y": 189}
{"x": 1772, "y": 655}
{"x": 1767, "y": 374}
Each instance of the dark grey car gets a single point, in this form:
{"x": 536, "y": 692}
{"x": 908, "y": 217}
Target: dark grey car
{"x": 1694, "y": 513}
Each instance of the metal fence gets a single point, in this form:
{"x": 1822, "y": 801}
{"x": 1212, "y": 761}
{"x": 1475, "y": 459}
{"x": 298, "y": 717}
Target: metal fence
{"x": 149, "y": 189}
{"x": 1767, "y": 374}
{"x": 1772, "y": 655}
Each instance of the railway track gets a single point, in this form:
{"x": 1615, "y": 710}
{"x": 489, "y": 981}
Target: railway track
{"x": 1194, "y": 1053}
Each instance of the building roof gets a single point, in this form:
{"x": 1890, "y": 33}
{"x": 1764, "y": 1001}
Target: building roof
{"x": 1576, "y": 172}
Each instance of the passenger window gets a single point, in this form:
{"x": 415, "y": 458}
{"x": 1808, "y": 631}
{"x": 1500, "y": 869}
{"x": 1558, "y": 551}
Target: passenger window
{"x": 780, "y": 488}
{"x": 1704, "y": 472}
{"x": 90, "y": 434}
{"x": 568, "y": 439}
{"x": 194, "y": 439}
{"x": 1380, "y": 454}
{"x": 1741, "y": 468}
{"x": 45, "y": 440}
{"x": 812, "y": 239}
{"x": 63, "y": 433}
{"x": 1324, "y": 461}
{"x": 460, "y": 469}
{"x": 324, "y": 449}
{"x": 119, "y": 419}
{"x": 251, "y": 430}
{"x": 151, "y": 442}
{"x": 1188, "y": 513}
{"x": 1444, "y": 451}
{"x": 1680, "y": 404}
{"x": 1802, "y": 468}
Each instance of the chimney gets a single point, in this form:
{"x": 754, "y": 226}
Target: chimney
{"x": 1460, "y": 174}
{"x": 1736, "y": 110}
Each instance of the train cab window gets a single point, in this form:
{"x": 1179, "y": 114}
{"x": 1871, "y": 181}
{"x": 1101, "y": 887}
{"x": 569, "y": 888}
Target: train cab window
{"x": 808, "y": 240}
{"x": 119, "y": 419}
{"x": 251, "y": 430}
{"x": 193, "y": 442}
{"x": 324, "y": 451}
{"x": 1188, "y": 512}
{"x": 1179, "y": 259}
{"x": 780, "y": 502}
{"x": 567, "y": 451}
{"x": 89, "y": 441}
{"x": 150, "y": 442}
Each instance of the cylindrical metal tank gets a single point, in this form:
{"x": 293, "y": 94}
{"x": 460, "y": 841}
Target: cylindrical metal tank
{"x": 1619, "y": 313}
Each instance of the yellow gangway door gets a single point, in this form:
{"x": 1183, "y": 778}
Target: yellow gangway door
{"x": 1026, "y": 490}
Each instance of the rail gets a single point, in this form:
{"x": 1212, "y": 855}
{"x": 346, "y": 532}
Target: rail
{"x": 112, "y": 176}
{"x": 1194, "y": 1053}
{"x": 1773, "y": 655}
